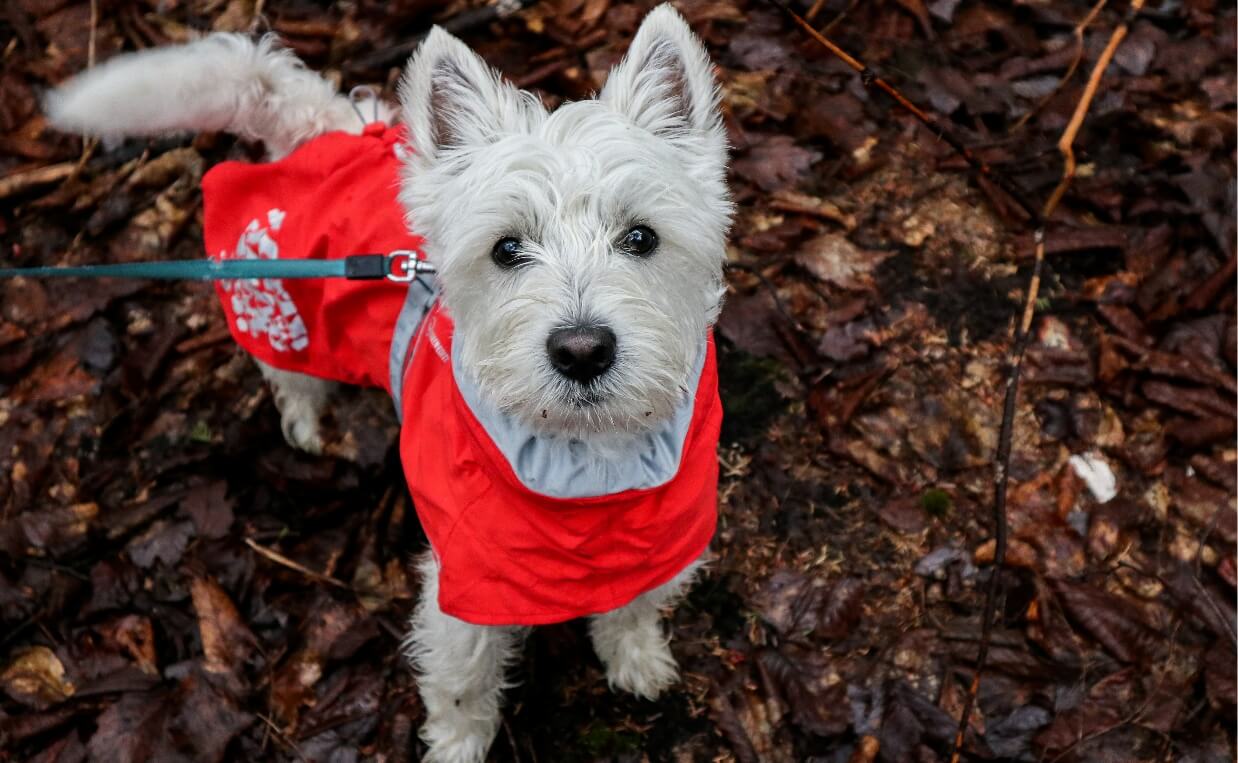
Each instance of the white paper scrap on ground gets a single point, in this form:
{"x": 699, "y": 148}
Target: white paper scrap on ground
{"x": 1095, "y": 472}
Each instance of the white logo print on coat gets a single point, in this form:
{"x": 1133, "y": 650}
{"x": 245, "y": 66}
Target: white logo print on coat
{"x": 263, "y": 305}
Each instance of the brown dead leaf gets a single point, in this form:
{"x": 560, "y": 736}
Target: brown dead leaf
{"x": 133, "y": 729}
{"x": 210, "y": 508}
{"x": 1106, "y": 703}
{"x": 804, "y": 204}
{"x": 35, "y": 677}
{"x": 333, "y": 630}
{"x": 164, "y": 541}
{"x": 1108, "y": 619}
{"x": 134, "y": 635}
{"x": 904, "y": 513}
{"x": 797, "y": 605}
{"x": 208, "y": 718}
{"x": 226, "y": 642}
{"x": 1018, "y": 553}
{"x": 810, "y": 686}
{"x": 834, "y": 259}
{"x": 59, "y": 530}
{"x": 775, "y": 163}
{"x": 60, "y": 378}
{"x": 1206, "y": 507}
{"x": 750, "y": 723}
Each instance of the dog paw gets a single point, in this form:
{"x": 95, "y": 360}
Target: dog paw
{"x": 301, "y": 428}
{"x": 643, "y": 664}
{"x": 457, "y": 739}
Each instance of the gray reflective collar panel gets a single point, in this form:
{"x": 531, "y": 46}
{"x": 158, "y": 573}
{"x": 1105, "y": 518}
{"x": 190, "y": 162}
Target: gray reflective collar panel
{"x": 548, "y": 465}
{"x": 561, "y": 468}
{"x": 422, "y": 291}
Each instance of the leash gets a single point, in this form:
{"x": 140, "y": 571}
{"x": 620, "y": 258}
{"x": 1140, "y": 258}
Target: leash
{"x": 401, "y": 266}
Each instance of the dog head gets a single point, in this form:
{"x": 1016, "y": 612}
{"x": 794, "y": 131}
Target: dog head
{"x": 580, "y": 252}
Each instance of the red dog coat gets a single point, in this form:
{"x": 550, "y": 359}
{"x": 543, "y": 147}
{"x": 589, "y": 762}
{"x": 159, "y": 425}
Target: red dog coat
{"x": 526, "y": 530}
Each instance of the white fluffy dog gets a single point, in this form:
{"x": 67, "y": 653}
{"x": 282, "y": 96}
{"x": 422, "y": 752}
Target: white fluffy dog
{"x": 608, "y": 217}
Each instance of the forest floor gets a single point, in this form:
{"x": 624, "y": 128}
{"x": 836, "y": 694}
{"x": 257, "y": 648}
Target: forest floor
{"x": 178, "y": 584}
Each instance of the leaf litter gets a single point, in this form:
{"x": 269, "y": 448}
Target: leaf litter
{"x": 141, "y": 463}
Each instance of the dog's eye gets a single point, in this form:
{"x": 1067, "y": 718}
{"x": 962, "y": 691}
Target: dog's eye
{"x": 640, "y": 241}
{"x": 507, "y": 253}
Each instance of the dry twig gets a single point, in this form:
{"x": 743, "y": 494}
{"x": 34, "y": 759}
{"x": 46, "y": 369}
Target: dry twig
{"x": 1080, "y": 28}
{"x": 871, "y": 79}
{"x": 279, "y": 558}
{"x": 282, "y": 737}
{"x": 90, "y": 144}
{"x": 1014, "y": 359}
{"x": 1065, "y": 145}
{"x": 19, "y": 182}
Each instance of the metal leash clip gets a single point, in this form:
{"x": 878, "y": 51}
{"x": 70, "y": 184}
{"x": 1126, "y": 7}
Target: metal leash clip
{"x": 403, "y": 266}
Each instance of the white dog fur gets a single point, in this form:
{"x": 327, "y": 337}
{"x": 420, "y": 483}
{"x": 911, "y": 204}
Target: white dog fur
{"x": 489, "y": 161}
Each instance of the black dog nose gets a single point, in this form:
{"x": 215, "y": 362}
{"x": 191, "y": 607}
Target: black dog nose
{"x": 581, "y": 353}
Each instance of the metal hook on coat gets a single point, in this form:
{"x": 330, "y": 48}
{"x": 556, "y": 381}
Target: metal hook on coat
{"x": 360, "y": 94}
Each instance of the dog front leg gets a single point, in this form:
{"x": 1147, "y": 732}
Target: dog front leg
{"x": 301, "y": 400}
{"x": 632, "y": 643}
{"x": 460, "y": 668}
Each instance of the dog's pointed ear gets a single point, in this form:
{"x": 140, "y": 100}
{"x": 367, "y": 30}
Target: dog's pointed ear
{"x": 451, "y": 99}
{"x": 666, "y": 82}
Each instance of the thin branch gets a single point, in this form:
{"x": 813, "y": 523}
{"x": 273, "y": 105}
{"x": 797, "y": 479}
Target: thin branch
{"x": 871, "y": 79}
{"x": 19, "y": 182}
{"x": 1066, "y": 144}
{"x": 1015, "y": 363}
{"x": 1080, "y": 28}
{"x": 89, "y": 145}
{"x": 1001, "y": 478}
{"x": 1018, "y": 347}
{"x": 755, "y": 270}
{"x": 280, "y": 559}
{"x": 283, "y": 738}
{"x": 94, "y": 26}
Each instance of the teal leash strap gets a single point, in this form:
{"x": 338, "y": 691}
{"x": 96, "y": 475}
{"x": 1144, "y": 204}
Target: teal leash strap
{"x": 199, "y": 270}
{"x": 398, "y": 266}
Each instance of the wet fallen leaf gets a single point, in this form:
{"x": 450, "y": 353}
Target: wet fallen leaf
{"x": 210, "y": 509}
{"x": 133, "y": 729}
{"x": 798, "y": 604}
{"x": 874, "y": 284}
{"x": 1108, "y": 620}
{"x": 750, "y": 725}
{"x": 226, "y": 642}
{"x": 165, "y": 541}
{"x": 809, "y": 685}
{"x": 775, "y": 163}
{"x": 832, "y": 258}
{"x": 135, "y": 635}
{"x": 35, "y": 677}
{"x": 208, "y": 718}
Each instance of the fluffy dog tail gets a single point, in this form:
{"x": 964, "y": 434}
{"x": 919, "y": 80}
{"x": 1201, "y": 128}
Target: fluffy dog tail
{"x": 228, "y": 82}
